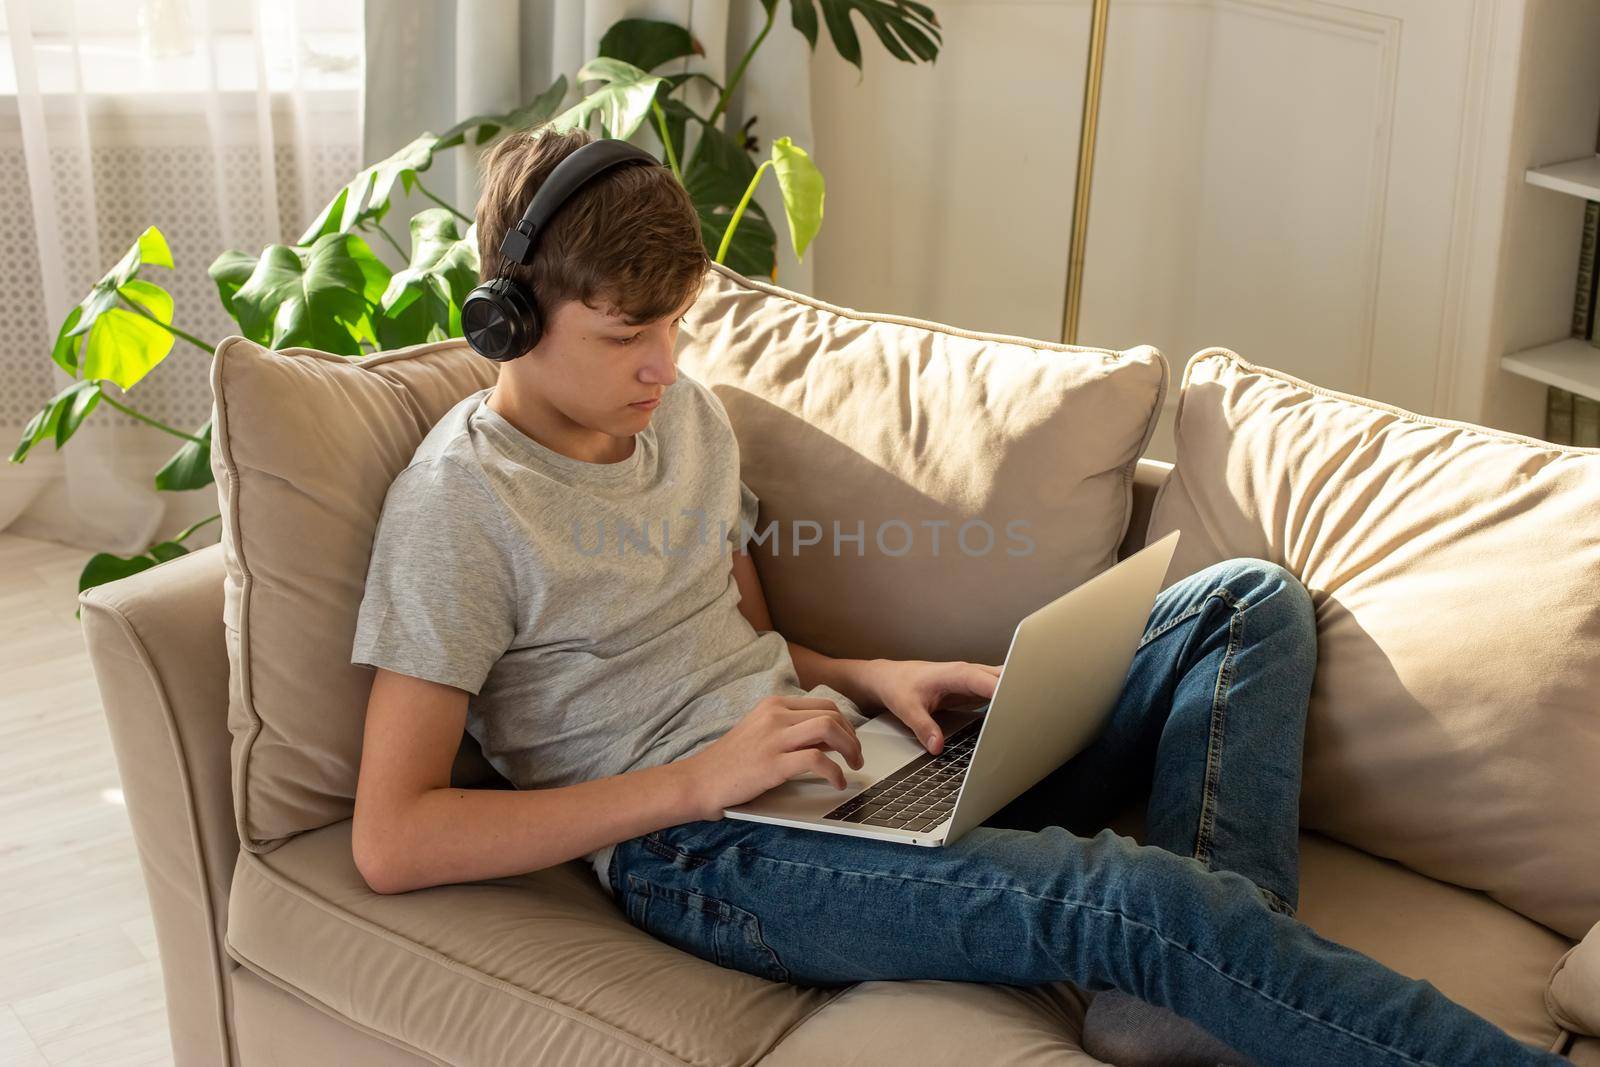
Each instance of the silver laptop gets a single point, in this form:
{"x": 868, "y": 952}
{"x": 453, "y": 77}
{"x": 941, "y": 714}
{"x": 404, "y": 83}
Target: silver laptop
{"x": 1061, "y": 679}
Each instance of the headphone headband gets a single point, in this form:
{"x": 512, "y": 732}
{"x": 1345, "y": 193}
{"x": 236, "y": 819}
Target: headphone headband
{"x": 500, "y": 318}
{"x": 589, "y": 161}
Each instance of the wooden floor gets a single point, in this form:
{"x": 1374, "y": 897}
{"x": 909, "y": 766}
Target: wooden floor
{"x": 80, "y": 982}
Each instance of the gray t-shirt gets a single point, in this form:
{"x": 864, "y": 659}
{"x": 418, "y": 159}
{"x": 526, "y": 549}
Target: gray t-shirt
{"x": 589, "y": 608}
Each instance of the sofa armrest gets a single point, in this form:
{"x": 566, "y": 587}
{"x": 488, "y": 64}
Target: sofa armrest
{"x": 157, "y": 647}
{"x": 1147, "y": 478}
{"x": 1573, "y": 996}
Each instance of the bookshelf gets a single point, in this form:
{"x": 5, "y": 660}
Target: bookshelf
{"x": 1579, "y": 177}
{"x": 1572, "y": 363}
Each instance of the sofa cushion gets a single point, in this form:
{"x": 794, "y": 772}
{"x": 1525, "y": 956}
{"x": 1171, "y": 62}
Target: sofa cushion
{"x": 935, "y": 1022}
{"x": 545, "y": 968}
{"x": 1453, "y": 724}
{"x": 304, "y": 446}
{"x": 1573, "y": 998}
{"x": 273, "y": 1024}
{"x": 1477, "y": 952}
{"x": 928, "y": 442}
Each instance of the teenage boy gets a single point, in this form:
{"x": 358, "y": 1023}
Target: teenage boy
{"x": 545, "y": 577}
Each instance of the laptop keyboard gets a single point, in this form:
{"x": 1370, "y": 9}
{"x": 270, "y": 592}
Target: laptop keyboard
{"x": 918, "y": 796}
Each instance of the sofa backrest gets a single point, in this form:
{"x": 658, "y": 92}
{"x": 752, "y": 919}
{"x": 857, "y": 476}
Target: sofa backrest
{"x": 954, "y": 480}
{"x": 1455, "y": 718}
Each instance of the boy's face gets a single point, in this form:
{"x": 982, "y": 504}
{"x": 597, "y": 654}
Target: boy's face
{"x": 594, "y": 366}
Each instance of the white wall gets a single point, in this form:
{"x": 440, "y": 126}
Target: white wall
{"x": 1301, "y": 181}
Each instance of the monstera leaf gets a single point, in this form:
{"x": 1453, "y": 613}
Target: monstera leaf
{"x": 720, "y": 171}
{"x": 102, "y": 340}
{"x": 717, "y": 177}
{"x": 489, "y": 126}
{"x": 648, "y": 43}
{"x": 622, "y": 102}
{"x": 751, "y": 251}
{"x": 231, "y": 270}
{"x": 909, "y": 31}
{"x": 442, "y": 271}
{"x": 366, "y": 196}
{"x": 318, "y": 297}
{"x": 190, "y": 466}
{"x": 59, "y": 418}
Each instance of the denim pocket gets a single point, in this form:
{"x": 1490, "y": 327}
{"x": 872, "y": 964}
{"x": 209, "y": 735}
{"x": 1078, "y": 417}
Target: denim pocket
{"x": 704, "y": 926}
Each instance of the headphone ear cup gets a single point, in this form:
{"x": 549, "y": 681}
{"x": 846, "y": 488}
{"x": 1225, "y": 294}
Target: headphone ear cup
{"x": 500, "y": 320}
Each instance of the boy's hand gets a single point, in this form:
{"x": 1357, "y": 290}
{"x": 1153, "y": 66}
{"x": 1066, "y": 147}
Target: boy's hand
{"x": 912, "y": 689}
{"x": 781, "y": 737}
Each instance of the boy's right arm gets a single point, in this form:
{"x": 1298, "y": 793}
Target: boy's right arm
{"x": 412, "y": 829}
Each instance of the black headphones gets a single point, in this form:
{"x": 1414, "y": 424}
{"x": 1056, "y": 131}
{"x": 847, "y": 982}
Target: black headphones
{"x": 499, "y": 317}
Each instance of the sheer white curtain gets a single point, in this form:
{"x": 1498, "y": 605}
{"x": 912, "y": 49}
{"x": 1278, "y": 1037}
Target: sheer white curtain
{"x": 433, "y": 62}
{"x": 227, "y": 124}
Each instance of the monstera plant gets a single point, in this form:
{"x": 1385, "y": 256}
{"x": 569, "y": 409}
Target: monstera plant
{"x": 331, "y": 291}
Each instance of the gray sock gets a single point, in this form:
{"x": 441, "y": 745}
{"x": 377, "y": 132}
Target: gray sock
{"x": 1128, "y": 1032}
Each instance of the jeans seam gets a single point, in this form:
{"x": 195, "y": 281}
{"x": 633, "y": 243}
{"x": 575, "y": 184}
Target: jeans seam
{"x": 1175, "y": 620}
{"x": 1221, "y": 592}
{"x": 1219, "y": 714}
{"x": 1277, "y": 902}
{"x": 730, "y": 921}
{"x": 755, "y": 938}
{"x": 1119, "y": 914}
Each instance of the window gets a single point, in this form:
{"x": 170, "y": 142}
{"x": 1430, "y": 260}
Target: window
{"x": 161, "y": 46}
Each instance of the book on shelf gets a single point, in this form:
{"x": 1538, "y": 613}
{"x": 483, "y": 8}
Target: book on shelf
{"x": 1571, "y": 419}
{"x": 1585, "y": 422}
{"x": 1585, "y": 411}
{"x": 1558, "y": 413}
{"x": 1583, "y": 298}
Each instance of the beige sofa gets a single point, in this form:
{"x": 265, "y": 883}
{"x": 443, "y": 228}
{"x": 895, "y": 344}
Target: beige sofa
{"x": 276, "y": 952}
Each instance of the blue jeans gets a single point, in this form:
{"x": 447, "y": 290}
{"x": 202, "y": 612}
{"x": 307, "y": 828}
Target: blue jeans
{"x": 1211, "y": 721}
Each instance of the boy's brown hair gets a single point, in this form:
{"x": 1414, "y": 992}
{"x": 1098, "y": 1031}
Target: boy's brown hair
{"x": 627, "y": 241}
